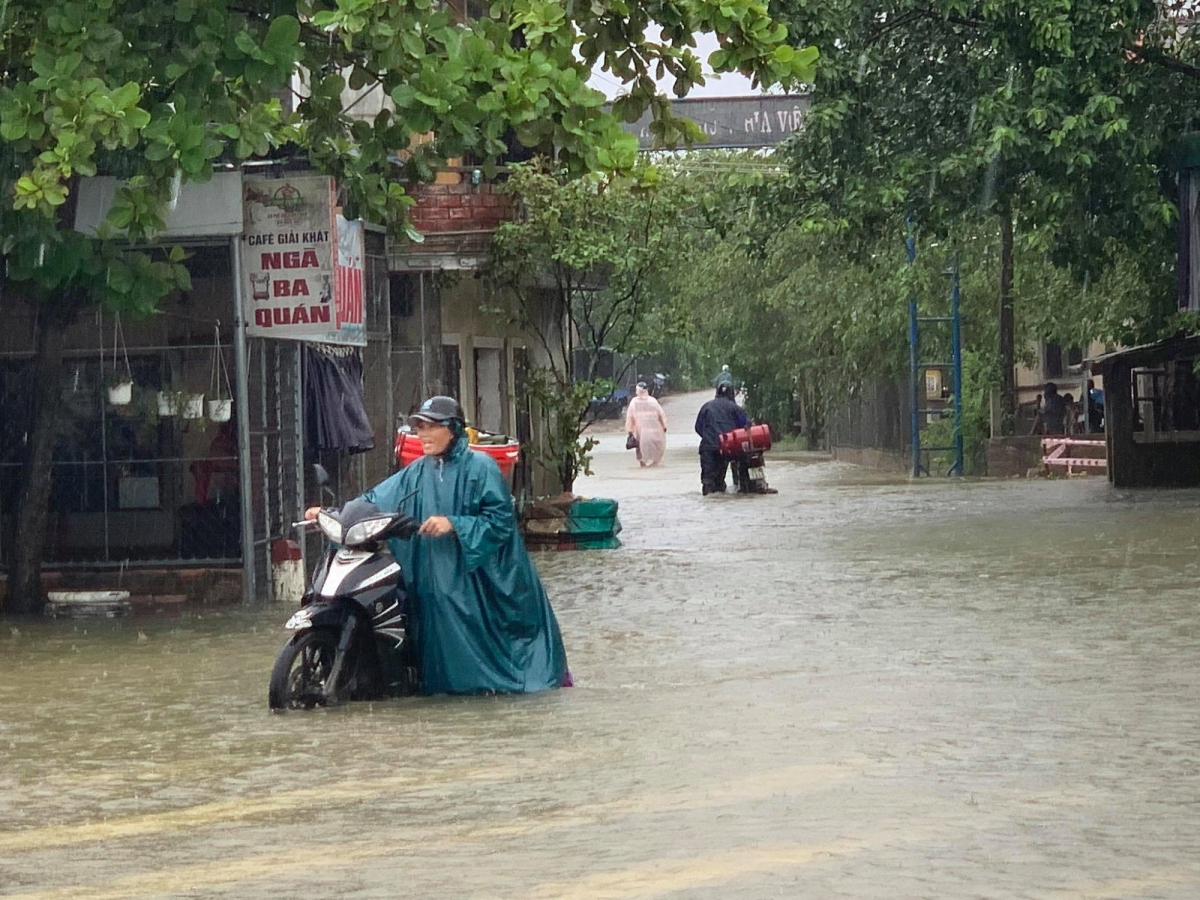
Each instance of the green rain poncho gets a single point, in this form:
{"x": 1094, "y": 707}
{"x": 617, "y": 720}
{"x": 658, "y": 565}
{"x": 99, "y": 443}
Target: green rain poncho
{"x": 483, "y": 622}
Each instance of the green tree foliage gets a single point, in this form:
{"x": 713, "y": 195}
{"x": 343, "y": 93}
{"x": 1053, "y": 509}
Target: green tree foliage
{"x": 1065, "y": 112}
{"x": 154, "y": 92}
{"x": 160, "y": 93}
{"x": 1050, "y": 123}
{"x": 580, "y": 266}
{"x": 809, "y": 325}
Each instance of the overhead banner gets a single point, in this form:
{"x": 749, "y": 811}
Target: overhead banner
{"x": 289, "y": 263}
{"x": 733, "y": 122}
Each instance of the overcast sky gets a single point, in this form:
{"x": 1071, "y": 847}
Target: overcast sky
{"x": 725, "y": 86}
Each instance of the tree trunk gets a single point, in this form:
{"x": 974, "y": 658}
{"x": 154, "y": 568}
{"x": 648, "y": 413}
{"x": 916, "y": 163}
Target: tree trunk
{"x": 24, "y": 591}
{"x": 1008, "y": 374}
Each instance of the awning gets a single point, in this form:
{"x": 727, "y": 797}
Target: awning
{"x": 1178, "y": 347}
{"x": 204, "y": 210}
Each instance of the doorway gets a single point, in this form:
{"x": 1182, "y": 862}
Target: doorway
{"x": 490, "y": 390}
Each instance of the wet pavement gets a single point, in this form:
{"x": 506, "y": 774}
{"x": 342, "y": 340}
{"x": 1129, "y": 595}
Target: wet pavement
{"x": 858, "y": 688}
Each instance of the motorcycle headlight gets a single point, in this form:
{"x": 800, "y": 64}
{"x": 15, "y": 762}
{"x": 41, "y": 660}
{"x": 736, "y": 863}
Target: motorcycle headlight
{"x": 367, "y": 530}
{"x": 331, "y": 526}
{"x": 299, "y": 619}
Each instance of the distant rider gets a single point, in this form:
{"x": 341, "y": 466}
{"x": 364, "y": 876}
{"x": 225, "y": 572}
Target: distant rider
{"x": 717, "y": 416}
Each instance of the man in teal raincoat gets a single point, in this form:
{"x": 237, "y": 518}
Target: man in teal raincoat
{"x": 484, "y": 623}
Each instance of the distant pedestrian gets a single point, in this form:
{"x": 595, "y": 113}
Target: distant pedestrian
{"x": 1054, "y": 410}
{"x": 1039, "y": 427}
{"x": 647, "y": 423}
{"x": 1071, "y": 416}
{"x": 1095, "y": 407}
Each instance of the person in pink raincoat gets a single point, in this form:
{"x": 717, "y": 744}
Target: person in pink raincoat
{"x": 646, "y": 421}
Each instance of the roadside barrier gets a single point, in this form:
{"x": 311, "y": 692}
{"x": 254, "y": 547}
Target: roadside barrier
{"x": 1054, "y": 453}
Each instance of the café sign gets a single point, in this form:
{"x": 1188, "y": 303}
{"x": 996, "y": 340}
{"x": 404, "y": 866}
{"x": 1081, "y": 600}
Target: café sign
{"x": 291, "y": 282}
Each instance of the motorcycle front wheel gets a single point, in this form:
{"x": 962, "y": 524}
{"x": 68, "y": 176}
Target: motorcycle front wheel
{"x": 304, "y": 663}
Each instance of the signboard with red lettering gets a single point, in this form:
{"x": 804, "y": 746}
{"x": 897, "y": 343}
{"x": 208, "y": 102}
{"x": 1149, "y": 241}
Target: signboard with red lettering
{"x": 348, "y": 276}
{"x": 289, "y": 262}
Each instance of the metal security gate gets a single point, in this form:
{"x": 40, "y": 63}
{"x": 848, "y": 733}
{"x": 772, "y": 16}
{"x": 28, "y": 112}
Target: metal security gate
{"x": 150, "y": 480}
{"x": 416, "y": 335}
{"x": 276, "y": 454}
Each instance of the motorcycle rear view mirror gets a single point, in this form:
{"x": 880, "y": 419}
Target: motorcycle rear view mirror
{"x": 322, "y": 478}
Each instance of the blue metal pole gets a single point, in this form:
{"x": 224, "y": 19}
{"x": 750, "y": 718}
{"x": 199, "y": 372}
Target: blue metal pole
{"x": 956, "y": 358}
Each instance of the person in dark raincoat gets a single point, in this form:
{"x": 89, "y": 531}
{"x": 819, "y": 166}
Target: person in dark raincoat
{"x": 483, "y": 621}
{"x": 717, "y": 416}
{"x": 1054, "y": 410}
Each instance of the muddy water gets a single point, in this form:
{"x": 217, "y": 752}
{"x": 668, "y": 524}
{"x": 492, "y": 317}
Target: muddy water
{"x": 859, "y": 687}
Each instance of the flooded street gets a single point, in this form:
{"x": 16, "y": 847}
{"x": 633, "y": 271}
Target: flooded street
{"x": 860, "y": 687}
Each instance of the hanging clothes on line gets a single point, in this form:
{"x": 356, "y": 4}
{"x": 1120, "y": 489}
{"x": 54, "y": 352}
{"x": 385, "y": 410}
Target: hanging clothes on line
{"x": 335, "y": 415}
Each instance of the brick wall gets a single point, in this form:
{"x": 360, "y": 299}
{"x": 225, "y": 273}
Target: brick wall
{"x": 1008, "y": 457}
{"x": 458, "y": 207}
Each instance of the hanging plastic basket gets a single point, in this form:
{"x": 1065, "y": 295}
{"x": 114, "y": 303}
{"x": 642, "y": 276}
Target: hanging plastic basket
{"x": 193, "y": 406}
{"x": 120, "y": 384}
{"x": 120, "y": 394}
{"x": 168, "y": 403}
{"x": 220, "y": 408}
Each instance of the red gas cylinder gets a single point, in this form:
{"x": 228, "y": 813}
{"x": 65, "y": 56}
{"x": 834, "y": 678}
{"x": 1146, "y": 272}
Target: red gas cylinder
{"x": 745, "y": 441}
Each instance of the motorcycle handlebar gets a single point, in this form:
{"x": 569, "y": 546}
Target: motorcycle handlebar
{"x": 312, "y": 523}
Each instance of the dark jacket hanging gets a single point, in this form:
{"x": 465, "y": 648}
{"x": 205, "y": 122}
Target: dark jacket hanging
{"x": 335, "y": 417}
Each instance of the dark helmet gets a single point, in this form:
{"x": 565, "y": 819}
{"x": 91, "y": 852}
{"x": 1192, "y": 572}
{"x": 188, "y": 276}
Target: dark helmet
{"x": 442, "y": 410}
{"x": 725, "y": 389}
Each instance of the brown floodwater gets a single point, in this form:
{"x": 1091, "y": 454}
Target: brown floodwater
{"x": 861, "y": 687}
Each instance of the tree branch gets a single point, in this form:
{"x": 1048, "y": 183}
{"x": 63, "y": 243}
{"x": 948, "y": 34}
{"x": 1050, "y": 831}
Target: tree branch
{"x": 1158, "y": 57}
{"x": 952, "y": 19}
{"x": 893, "y": 24}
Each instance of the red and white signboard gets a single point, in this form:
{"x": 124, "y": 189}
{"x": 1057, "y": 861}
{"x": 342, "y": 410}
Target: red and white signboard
{"x": 348, "y": 274}
{"x": 289, "y": 263}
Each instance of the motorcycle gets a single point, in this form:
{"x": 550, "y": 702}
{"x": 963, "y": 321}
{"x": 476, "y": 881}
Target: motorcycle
{"x": 658, "y": 385}
{"x": 351, "y": 636}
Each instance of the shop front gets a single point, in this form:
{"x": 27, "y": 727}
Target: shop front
{"x": 182, "y": 444}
